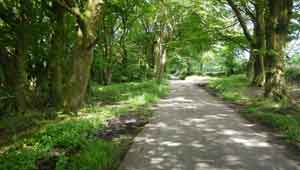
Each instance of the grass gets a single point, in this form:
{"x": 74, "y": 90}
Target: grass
{"x": 71, "y": 140}
{"x": 273, "y": 114}
{"x": 231, "y": 88}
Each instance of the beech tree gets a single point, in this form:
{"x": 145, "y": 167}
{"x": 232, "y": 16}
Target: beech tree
{"x": 53, "y": 52}
{"x": 88, "y": 18}
{"x": 278, "y": 20}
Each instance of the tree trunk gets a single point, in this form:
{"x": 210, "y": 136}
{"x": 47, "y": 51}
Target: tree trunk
{"x": 57, "y": 53}
{"x": 21, "y": 74}
{"x": 162, "y": 65}
{"x": 82, "y": 55}
{"x": 108, "y": 34}
{"x": 150, "y": 48}
{"x": 15, "y": 61}
{"x": 8, "y": 64}
{"x": 256, "y": 42}
{"x": 260, "y": 44}
{"x": 277, "y": 32}
{"x": 77, "y": 86}
{"x": 108, "y": 75}
{"x": 160, "y": 57}
{"x": 201, "y": 68}
{"x": 250, "y": 65}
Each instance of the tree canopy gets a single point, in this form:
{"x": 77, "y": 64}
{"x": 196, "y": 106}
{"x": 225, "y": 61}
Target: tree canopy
{"x": 54, "y": 50}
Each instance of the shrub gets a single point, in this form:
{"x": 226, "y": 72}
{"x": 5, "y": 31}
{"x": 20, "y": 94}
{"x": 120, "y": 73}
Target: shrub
{"x": 293, "y": 74}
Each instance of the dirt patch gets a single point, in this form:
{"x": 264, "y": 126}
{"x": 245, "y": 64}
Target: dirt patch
{"x": 48, "y": 162}
{"x": 126, "y": 125}
{"x": 123, "y": 125}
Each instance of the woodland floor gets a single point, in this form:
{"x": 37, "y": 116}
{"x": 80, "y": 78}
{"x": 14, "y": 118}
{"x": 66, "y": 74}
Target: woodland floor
{"x": 193, "y": 130}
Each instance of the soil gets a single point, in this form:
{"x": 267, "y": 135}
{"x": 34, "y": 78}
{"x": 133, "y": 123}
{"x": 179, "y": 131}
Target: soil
{"x": 123, "y": 125}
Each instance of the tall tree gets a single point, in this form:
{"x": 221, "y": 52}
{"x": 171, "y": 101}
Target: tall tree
{"x": 256, "y": 40}
{"x": 260, "y": 44}
{"x": 57, "y": 55}
{"x": 88, "y": 20}
{"x": 18, "y": 17}
{"x": 278, "y": 20}
{"x": 164, "y": 35}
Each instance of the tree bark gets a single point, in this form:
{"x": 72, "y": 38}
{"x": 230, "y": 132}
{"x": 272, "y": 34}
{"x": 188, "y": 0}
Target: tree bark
{"x": 57, "y": 53}
{"x": 241, "y": 20}
{"x": 250, "y": 65}
{"x": 278, "y": 21}
{"x": 260, "y": 44}
{"x": 256, "y": 41}
{"x": 8, "y": 64}
{"x": 160, "y": 56}
{"x": 82, "y": 54}
{"x": 20, "y": 65}
{"x": 15, "y": 62}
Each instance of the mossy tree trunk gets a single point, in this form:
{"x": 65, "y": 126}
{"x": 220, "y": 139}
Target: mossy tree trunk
{"x": 8, "y": 64}
{"x": 57, "y": 57}
{"x": 259, "y": 45}
{"x": 279, "y": 15}
{"x": 82, "y": 55}
{"x": 250, "y": 65}
{"x": 15, "y": 54}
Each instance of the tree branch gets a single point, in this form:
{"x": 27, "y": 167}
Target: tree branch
{"x": 71, "y": 10}
{"x": 241, "y": 20}
{"x": 248, "y": 12}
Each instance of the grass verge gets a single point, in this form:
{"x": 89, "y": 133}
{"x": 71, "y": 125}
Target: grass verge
{"x": 235, "y": 89}
{"x": 71, "y": 144}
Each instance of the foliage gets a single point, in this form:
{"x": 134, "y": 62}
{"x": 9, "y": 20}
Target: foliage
{"x": 292, "y": 73}
{"x": 289, "y": 125}
{"x": 62, "y": 57}
{"x": 75, "y": 134}
{"x": 95, "y": 155}
{"x": 269, "y": 112}
{"x": 231, "y": 88}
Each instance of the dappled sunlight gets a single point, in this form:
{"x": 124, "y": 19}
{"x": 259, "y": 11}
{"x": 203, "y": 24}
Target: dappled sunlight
{"x": 230, "y": 132}
{"x": 213, "y": 117}
{"x": 144, "y": 140}
{"x": 185, "y": 103}
{"x": 198, "y": 133}
{"x": 248, "y": 125}
{"x": 170, "y": 144}
{"x": 177, "y": 99}
{"x": 250, "y": 142}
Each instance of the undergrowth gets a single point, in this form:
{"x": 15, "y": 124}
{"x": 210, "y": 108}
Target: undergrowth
{"x": 255, "y": 107}
{"x": 71, "y": 141}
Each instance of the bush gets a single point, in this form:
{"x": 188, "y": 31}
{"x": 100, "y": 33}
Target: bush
{"x": 72, "y": 137}
{"x": 293, "y": 74}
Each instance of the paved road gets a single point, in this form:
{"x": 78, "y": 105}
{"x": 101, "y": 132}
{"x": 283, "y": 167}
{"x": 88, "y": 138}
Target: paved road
{"x": 194, "y": 131}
